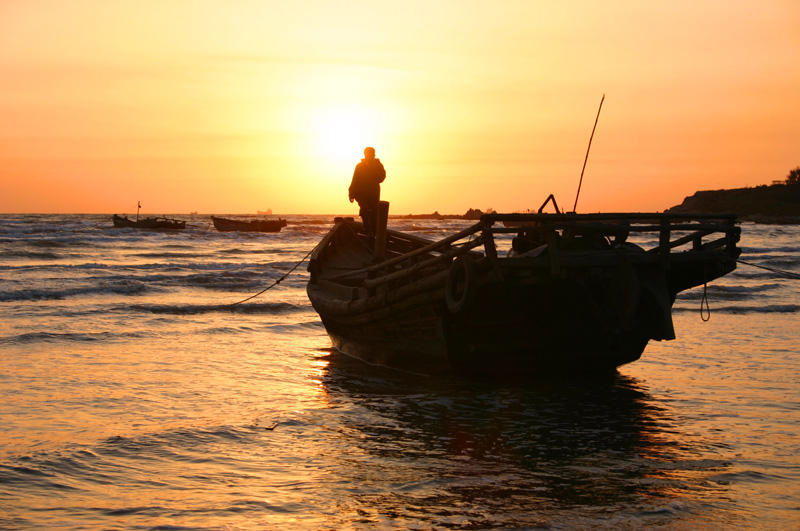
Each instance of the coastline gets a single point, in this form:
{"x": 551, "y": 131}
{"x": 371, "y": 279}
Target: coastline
{"x": 767, "y": 204}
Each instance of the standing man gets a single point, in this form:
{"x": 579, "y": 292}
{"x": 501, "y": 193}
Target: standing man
{"x": 366, "y": 188}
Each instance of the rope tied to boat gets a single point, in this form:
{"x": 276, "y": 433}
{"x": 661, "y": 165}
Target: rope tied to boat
{"x": 281, "y": 279}
{"x": 705, "y": 309}
{"x": 784, "y": 273}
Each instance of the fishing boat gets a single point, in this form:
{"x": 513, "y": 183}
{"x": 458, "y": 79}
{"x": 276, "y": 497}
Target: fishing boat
{"x": 158, "y": 223}
{"x": 550, "y": 292}
{"x": 256, "y": 225}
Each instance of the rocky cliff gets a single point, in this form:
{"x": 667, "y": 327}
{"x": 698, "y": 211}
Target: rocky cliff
{"x": 779, "y": 203}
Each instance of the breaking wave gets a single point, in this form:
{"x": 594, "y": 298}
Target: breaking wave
{"x": 730, "y": 292}
{"x": 59, "y": 337}
{"x": 123, "y": 288}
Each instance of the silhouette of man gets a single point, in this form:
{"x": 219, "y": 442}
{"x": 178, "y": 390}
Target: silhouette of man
{"x": 366, "y": 188}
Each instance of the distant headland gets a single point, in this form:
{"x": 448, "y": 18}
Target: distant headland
{"x": 778, "y": 203}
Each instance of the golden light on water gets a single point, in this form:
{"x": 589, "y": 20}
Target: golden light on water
{"x": 133, "y": 392}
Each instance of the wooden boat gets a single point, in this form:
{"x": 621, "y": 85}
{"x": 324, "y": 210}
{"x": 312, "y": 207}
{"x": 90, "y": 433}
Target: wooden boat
{"x": 158, "y": 223}
{"x": 256, "y": 225}
{"x": 575, "y": 292}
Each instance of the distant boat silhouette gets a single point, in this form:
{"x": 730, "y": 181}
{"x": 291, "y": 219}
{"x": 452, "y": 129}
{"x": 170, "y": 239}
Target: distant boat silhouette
{"x": 158, "y": 223}
{"x": 148, "y": 223}
{"x": 256, "y": 225}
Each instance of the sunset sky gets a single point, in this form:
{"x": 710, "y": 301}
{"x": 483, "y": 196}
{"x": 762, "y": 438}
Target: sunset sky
{"x": 234, "y": 106}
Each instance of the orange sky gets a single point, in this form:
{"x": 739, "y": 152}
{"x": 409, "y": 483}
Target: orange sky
{"x": 234, "y": 106}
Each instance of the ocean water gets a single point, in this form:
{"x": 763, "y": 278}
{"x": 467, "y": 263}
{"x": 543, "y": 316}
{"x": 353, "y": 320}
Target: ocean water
{"x": 142, "y": 388}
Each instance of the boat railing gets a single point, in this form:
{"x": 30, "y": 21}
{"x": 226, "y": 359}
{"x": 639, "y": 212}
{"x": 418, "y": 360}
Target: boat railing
{"x": 633, "y": 217}
{"x": 440, "y": 246}
{"x": 669, "y": 231}
{"x": 380, "y": 274}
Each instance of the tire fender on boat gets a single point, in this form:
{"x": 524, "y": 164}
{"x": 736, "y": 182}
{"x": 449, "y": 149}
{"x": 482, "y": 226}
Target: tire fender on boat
{"x": 459, "y": 293}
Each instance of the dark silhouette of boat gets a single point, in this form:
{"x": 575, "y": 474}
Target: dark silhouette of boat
{"x": 158, "y": 223}
{"x": 256, "y": 225}
{"x": 574, "y": 292}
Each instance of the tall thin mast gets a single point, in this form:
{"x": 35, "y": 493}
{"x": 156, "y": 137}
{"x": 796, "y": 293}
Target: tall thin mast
{"x": 575, "y": 206}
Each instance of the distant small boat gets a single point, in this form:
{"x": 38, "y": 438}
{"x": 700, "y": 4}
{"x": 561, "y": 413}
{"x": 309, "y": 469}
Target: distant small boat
{"x": 149, "y": 223}
{"x": 256, "y": 225}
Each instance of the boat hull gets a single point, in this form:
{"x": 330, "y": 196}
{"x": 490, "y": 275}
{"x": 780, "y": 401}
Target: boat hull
{"x": 256, "y": 225}
{"x": 548, "y": 327}
{"x": 148, "y": 223}
{"x": 412, "y": 341}
{"x": 553, "y": 326}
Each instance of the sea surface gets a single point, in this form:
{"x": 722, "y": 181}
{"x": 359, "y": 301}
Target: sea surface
{"x": 141, "y": 387}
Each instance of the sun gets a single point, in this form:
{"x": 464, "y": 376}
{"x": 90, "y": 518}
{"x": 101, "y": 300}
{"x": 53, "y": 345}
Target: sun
{"x": 342, "y": 132}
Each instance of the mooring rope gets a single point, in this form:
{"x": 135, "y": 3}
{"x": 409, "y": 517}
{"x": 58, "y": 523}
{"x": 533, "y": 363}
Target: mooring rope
{"x": 705, "y": 309}
{"x": 279, "y": 280}
{"x": 787, "y": 274}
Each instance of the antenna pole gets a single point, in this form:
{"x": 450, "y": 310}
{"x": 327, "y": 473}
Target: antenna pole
{"x": 575, "y": 206}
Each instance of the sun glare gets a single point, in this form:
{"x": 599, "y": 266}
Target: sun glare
{"x": 342, "y": 133}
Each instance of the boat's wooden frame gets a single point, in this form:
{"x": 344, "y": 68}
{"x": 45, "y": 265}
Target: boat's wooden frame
{"x": 585, "y": 299}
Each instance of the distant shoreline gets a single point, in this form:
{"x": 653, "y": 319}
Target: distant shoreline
{"x": 773, "y": 204}
{"x": 767, "y": 204}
